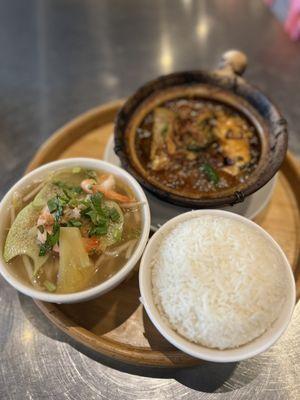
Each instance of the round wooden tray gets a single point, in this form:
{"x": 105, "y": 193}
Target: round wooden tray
{"x": 116, "y": 324}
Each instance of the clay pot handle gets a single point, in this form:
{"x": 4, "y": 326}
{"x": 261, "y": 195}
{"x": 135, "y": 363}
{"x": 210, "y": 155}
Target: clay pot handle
{"x": 233, "y": 62}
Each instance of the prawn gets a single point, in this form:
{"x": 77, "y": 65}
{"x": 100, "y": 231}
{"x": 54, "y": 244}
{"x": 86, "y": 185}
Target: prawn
{"x": 106, "y": 187}
{"x": 45, "y": 218}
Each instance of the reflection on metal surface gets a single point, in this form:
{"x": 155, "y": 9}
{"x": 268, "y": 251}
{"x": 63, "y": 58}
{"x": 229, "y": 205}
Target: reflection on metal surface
{"x": 166, "y": 58}
{"x": 109, "y": 80}
{"x": 202, "y": 28}
{"x": 166, "y": 61}
{"x": 187, "y": 4}
{"x": 27, "y": 335}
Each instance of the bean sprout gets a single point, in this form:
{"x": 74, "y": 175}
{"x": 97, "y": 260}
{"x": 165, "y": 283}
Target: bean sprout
{"x": 130, "y": 249}
{"x": 12, "y": 214}
{"x": 118, "y": 250}
{"x": 133, "y": 204}
{"x": 99, "y": 260}
{"x": 29, "y": 269}
{"x": 33, "y": 192}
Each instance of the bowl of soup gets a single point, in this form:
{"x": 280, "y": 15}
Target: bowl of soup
{"x": 72, "y": 230}
{"x": 201, "y": 139}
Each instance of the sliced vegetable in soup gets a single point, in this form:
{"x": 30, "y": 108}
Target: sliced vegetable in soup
{"x": 72, "y": 230}
{"x": 195, "y": 146}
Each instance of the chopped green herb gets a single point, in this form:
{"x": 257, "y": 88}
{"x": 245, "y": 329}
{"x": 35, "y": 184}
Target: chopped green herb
{"x": 73, "y": 202}
{"x": 76, "y": 170}
{"x": 210, "y": 173}
{"x": 59, "y": 184}
{"x": 67, "y": 194}
{"x": 96, "y": 200}
{"x": 74, "y": 222}
{"x": 105, "y": 211}
{"x": 93, "y": 210}
{"x": 64, "y": 199}
{"x": 49, "y": 286}
{"x": 98, "y": 213}
{"x": 51, "y": 240}
{"x": 86, "y": 204}
{"x": 69, "y": 191}
{"x": 99, "y": 230}
{"x": 114, "y": 215}
{"x": 94, "y": 216}
{"x": 55, "y": 205}
{"x": 52, "y": 204}
{"x": 91, "y": 173}
{"x": 43, "y": 250}
{"x": 95, "y": 213}
{"x": 195, "y": 147}
{"x": 117, "y": 234}
{"x": 77, "y": 189}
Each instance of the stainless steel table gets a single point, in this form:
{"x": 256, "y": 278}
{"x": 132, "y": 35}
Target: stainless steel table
{"x": 59, "y": 58}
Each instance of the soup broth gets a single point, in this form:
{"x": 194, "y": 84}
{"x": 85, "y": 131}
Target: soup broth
{"x": 194, "y": 146}
{"x": 72, "y": 230}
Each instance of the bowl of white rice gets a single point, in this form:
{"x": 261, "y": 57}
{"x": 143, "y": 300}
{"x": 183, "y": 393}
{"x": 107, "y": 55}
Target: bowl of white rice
{"x": 217, "y": 286}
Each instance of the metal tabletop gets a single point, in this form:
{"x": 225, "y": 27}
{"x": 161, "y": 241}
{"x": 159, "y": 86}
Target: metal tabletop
{"x": 59, "y": 58}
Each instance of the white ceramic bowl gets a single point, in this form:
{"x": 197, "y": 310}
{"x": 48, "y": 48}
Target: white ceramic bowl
{"x": 248, "y": 350}
{"x": 102, "y": 287}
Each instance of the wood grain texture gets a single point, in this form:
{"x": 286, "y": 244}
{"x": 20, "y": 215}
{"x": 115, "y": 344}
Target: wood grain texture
{"x": 116, "y": 324}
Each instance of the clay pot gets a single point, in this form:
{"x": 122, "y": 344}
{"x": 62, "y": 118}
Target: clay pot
{"x": 225, "y": 85}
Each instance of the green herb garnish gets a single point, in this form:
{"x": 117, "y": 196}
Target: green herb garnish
{"x": 195, "y": 147}
{"x": 55, "y": 205}
{"x": 96, "y": 200}
{"x": 96, "y": 218}
{"x": 90, "y": 173}
{"x": 98, "y": 213}
{"x": 114, "y": 215}
{"x": 99, "y": 230}
{"x": 69, "y": 191}
{"x": 52, "y": 205}
{"x": 74, "y": 222}
{"x": 51, "y": 240}
{"x": 210, "y": 173}
{"x": 117, "y": 234}
{"x": 76, "y": 170}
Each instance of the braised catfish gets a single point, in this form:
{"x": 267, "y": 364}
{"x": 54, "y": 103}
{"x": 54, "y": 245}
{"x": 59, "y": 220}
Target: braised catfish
{"x": 195, "y": 146}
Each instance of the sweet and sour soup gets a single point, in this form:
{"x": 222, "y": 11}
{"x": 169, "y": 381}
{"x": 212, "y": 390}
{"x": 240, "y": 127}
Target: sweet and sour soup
{"x": 194, "y": 146}
{"x": 72, "y": 230}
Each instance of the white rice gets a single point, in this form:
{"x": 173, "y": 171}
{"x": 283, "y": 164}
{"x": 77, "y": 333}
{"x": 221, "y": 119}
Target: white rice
{"x": 218, "y": 282}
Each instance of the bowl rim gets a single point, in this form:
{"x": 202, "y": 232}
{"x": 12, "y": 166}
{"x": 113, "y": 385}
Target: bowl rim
{"x": 227, "y": 83}
{"x": 110, "y": 283}
{"x": 248, "y": 350}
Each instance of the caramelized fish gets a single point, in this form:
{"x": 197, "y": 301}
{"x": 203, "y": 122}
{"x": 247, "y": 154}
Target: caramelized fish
{"x": 194, "y": 146}
{"x": 162, "y": 140}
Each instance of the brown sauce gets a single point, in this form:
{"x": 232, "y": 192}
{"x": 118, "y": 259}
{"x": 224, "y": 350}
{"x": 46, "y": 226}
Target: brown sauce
{"x": 197, "y": 146}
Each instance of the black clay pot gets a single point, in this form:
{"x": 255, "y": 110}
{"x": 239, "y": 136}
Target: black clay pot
{"x": 224, "y": 85}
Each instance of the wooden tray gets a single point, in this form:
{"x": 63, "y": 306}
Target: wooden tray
{"x": 116, "y": 324}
